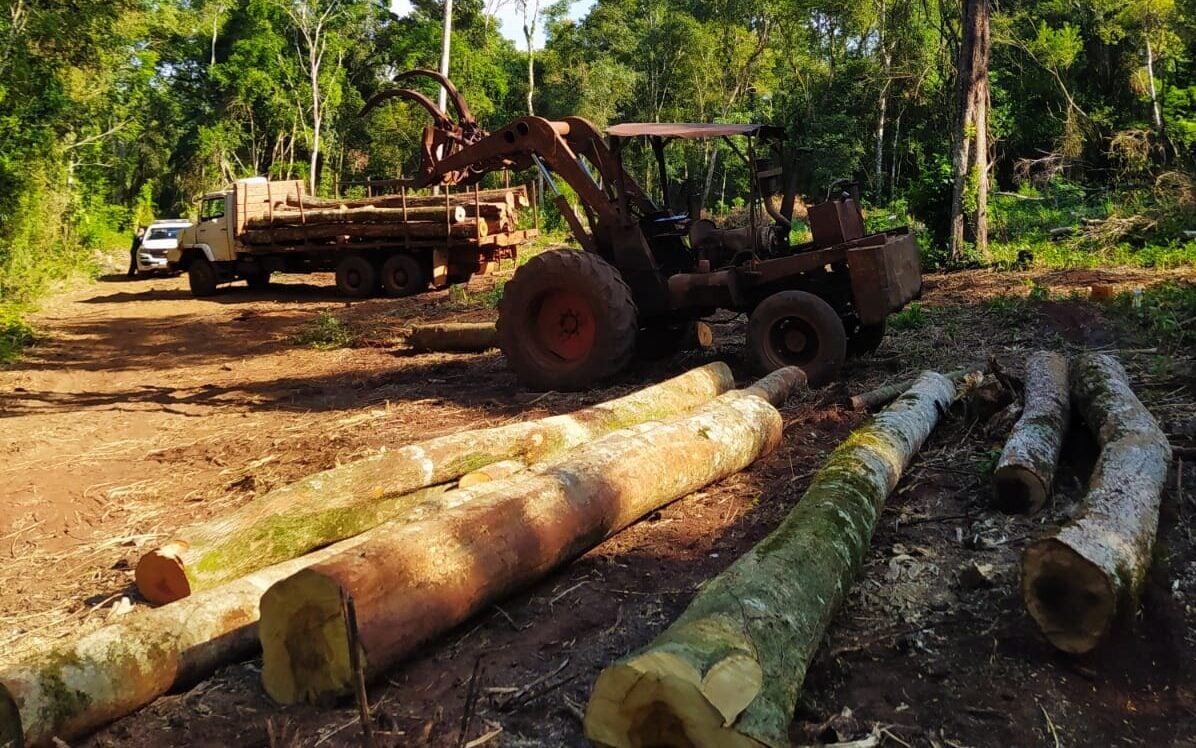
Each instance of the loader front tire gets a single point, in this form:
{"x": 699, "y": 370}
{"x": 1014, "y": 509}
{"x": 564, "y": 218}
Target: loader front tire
{"x": 566, "y": 321}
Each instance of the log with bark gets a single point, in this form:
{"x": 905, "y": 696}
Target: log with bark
{"x": 512, "y": 197}
{"x": 453, "y": 337}
{"x": 362, "y": 214}
{"x": 1023, "y": 476}
{"x": 396, "y": 231}
{"x": 354, "y": 497}
{"x": 1077, "y": 582}
{"x": 728, "y": 671}
{"x": 882, "y": 396}
{"x": 75, "y": 686}
{"x": 495, "y": 471}
{"x": 411, "y": 581}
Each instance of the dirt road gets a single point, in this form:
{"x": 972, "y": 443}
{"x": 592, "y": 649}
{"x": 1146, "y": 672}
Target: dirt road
{"x": 143, "y": 409}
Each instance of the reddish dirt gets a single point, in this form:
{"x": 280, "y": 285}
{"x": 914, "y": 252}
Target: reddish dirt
{"x": 144, "y": 409}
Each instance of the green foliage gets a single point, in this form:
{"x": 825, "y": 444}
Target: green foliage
{"x": 488, "y": 298}
{"x": 15, "y": 332}
{"x": 1167, "y": 311}
{"x": 912, "y": 317}
{"x": 326, "y": 332}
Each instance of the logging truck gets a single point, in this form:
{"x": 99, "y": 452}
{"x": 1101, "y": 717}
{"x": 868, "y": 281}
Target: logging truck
{"x": 399, "y": 244}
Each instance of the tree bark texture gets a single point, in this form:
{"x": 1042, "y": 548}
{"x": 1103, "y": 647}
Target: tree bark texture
{"x": 1077, "y": 582}
{"x": 882, "y": 396}
{"x": 454, "y": 336}
{"x": 411, "y": 581}
{"x": 78, "y": 685}
{"x": 354, "y": 497}
{"x": 1023, "y": 477}
{"x": 972, "y": 69}
{"x": 728, "y": 671}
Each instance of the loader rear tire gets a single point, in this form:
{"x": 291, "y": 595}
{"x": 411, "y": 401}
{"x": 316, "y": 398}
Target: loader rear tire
{"x": 796, "y": 328}
{"x": 566, "y": 320}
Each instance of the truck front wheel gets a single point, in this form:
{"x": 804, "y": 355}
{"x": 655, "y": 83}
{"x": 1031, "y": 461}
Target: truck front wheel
{"x": 202, "y": 277}
{"x": 566, "y": 321}
{"x": 356, "y": 277}
{"x": 796, "y": 328}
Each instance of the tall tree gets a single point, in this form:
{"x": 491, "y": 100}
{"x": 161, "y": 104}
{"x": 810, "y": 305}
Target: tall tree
{"x": 970, "y": 146}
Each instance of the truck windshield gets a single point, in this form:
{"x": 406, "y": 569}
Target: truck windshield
{"x": 212, "y": 209}
{"x": 164, "y": 233}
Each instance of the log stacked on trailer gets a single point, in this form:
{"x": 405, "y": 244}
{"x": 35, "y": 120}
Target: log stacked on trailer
{"x": 484, "y": 216}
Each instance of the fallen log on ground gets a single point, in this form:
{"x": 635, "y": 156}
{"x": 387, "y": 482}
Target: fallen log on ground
{"x": 410, "y": 581}
{"x": 1078, "y": 582}
{"x": 75, "y": 686}
{"x": 354, "y": 497}
{"x": 459, "y": 337}
{"x": 1023, "y": 476}
{"x": 496, "y": 471}
{"x": 882, "y": 396}
{"x": 728, "y": 671}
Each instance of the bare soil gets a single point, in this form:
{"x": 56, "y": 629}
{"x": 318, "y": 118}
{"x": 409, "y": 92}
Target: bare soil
{"x": 143, "y": 409}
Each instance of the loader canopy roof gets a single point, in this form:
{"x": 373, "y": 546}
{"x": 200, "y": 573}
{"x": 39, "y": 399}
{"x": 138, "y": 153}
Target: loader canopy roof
{"x": 691, "y": 130}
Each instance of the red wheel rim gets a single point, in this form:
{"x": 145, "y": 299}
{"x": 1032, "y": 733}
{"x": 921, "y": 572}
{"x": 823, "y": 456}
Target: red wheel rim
{"x": 565, "y": 325}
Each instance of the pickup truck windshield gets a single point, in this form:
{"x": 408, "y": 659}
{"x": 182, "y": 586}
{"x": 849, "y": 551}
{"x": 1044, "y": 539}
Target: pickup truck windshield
{"x": 164, "y": 233}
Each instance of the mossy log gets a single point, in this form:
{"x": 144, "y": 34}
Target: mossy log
{"x": 882, "y": 396}
{"x": 496, "y": 471}
{"x": 1023, "y": 476}
{"x": 354, "y": 497}
{"x": 75, "y": 686}
{"x": 1079, "y": 581}
{"x": 728, "y": 671}
{"x": 411, "y": 581}
{"x": 453, "y": 337}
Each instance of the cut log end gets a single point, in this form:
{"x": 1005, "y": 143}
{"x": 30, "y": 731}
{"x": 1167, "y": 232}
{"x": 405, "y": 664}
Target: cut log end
{"x": 160, "y": 575}
{"x": 305, "y": 645}
{"x": 1068, "y": 596}
{"x": 660, "y": 700}
{"x": 1018, "y": 490}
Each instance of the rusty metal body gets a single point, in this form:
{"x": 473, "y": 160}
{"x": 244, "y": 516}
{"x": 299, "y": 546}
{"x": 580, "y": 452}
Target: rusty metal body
{"x": 679, "y": 268}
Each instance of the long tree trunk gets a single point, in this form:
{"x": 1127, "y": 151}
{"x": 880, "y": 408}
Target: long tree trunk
{"x": 1154, "y": 98}
{"x": 1022, "y": 480}
{"x": 80, "y": 684}
{"x": 453, "y": 336}
{"x": 1080, "y": 580}
{"x": 411, "y": 581}
{"x": 973, "y": 76}
{"x": 352, "y": 498}
{"x": 728, "y": 671}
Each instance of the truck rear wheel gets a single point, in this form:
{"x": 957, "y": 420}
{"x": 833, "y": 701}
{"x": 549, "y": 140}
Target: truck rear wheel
{"x": 796, "y": 328}
{"x": 566, "y": 321}
{"x": 202, "y": 277}
{"x": 356, "y": 277}
{"x": 402, "y": 275}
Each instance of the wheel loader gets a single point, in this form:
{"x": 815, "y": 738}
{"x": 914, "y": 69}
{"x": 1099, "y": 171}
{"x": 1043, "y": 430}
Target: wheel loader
{"x": 569, "y": 319}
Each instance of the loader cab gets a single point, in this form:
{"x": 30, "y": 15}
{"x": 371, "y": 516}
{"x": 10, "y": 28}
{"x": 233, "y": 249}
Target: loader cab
{"x": 213, "y": 228}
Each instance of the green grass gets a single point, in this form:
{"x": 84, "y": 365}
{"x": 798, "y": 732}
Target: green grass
{"x": 489, "y": 298}
{"x": 1167, "y": 312}
{"x": 326, "y": 332}
{"x": 912, "y": 317}
{"x": 15, "y": 332}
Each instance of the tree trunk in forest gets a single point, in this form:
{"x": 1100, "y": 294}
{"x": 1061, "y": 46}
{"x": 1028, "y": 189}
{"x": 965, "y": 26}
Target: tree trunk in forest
{"x": 411, "y": 581}
{"x": 352, "y": 498}
{"x": 80, "y": 684}
{"x": 1077, "y": 582}
{"x": 1154, "y": 98}
{"x": 972, "y": 69}
{"x": 1022, "y": 480}
{"x": 728, "y": 671}
{"x": 458, "y": 336}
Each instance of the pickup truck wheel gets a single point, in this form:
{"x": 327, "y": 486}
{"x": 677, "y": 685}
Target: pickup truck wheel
{"x": 202, "y": 277}
{"x": 795, "y": 328}
{"x": 566, "y": 321}
{"x": 864, "y": 339}
{"x": 402, "y": 275}
{"x": 356, "y": 277}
